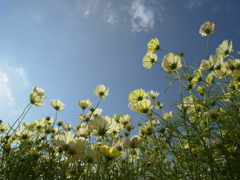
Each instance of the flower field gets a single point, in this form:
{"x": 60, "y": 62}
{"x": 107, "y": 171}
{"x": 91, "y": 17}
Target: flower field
{"x": 200, "y": 140}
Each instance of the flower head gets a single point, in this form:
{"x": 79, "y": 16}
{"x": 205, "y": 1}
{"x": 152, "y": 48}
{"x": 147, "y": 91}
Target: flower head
{"x": 134, "y": 142}
{"x": 103, "y": 126}
{"x": 57, "y": 105}
{"x": 101, "y": 91}
{"x": 224, "y": 49}
{"x": 83, "y": 104}
{"x": 72, "y": 145}
{"x": 110, "y": 153}
{"x": 171, "y": 62}
{"x": 153, "y": 45}
{"x": 152, "y": 95}
{"x": 167, "y": 115}
{"x": 40, "y": 92}
{"x": 143, "y": 106}
{"x": 149, "y": 59}
{"x": 4, "y": 128}
{"x": 137, "y": 95}
{"x": 214, "y": 63}
{"x": 207, "y": 28}
{"x": 36, "y": 96}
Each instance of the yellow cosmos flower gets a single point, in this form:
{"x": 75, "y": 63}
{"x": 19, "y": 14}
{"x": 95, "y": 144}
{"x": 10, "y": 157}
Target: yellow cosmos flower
{"x": 224, "y": 49}
{"x": 214, "y": 63}
{"x": 149, "y": 59}
{"x": 153, "y": 45}
{"x": 143, "y": 106}
{"x": 158, "y": 105}
{"x": 103, "y": 126}
{"x": 57, "y": 104}
{"x": 207, "y": 28}
{"x": 101, "y": 91}
{"x": 40, "y": 92}
{"x": 83, "y": 104}
{"x": 210, "y": 79}
{"x": 72, "y": 145}
{"x": 167, "y": 115}
{"x": 201, "y": 89}
{"x": 24, "y": 133}
{"x": 236, "y": 76}
{"x": 110, "y": 153}
{"x": 36, "y": 96}
{"x": 171, "y": 62}
{"x": 35, "y": 99}
{"x": 4, "y": 128}
{"x": 137, "y": 95}
{"x": 233, "y": 64}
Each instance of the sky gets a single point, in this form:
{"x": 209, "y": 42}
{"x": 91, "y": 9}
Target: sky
{"x": 68, "y": 47}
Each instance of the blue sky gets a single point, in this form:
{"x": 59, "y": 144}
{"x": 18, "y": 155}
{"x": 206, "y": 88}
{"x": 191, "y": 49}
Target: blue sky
{"x": 70, "y": 47}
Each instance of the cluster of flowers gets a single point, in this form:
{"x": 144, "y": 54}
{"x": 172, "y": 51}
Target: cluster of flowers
{"x": 200, "y": 141}
{"x": 95, "y": 140}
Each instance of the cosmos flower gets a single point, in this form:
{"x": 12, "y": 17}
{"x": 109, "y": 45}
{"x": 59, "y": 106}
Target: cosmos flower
{"x": 210, "y": 79}
{"x": 24, "y": 133}
{"x": 171, "y": 62}
{"x": 119, "y": 144}
{"x": 125, "y": 119}
{"x": 224, "y": 49}
{"x": 36, "y": 96}
{"x": 233, "y": 64}
{"x": 4, "y": 128}
{"x": 167, "y": 115}
{"x": 214, "y": 63}
{"x": 153, "y": 45}
{"x": 134, "y": 142}
{"x": 153, "y": 95}
{"x": 70, "y": 144}
{"x": 149, "y": 59}
{"x": 159, "y": 105}
{"x": 83, "y": 104}
{"x": 110, "y": 153}
{"x": 57, "y": 105}
{"x": 207, "y": 28}
{"x": 35, "y": 99}
{"x": 137, "y": 95}
{"x": 103, "y": 126}
{"x": 94, "y": 112}
{"x": 101, "y": 91}
{"x": 40, "y": 92}
{"x": 143, "y": 106}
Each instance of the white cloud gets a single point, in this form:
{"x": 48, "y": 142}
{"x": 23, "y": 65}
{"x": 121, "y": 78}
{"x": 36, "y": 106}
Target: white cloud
{"x": 91, "y": 6}
{"x": 12, "y": 81}
{"x": 193, "y": 4}
{"x": 109, "y": 15}
{"x": 142, "y": 16}
{"x": 6, "y": 96}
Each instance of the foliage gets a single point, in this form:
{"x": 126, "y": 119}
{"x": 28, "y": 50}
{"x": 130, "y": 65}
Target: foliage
{"x": 201, "y": 140}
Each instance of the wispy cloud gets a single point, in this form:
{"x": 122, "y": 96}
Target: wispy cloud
{"x": 6, "y": 97}
{"x": 190, "y": 4}
{"x": 91, "y": 6}
{"x": 13, "y": 80}
{"x": 142, "y": 16}
{"x": 110, "y": 16}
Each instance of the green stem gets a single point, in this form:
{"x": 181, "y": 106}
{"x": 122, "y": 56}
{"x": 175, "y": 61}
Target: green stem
{"x": 208, "y": 37}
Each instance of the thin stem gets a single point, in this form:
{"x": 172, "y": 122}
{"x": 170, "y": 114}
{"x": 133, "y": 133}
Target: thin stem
{"x": 208, "y": 37}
